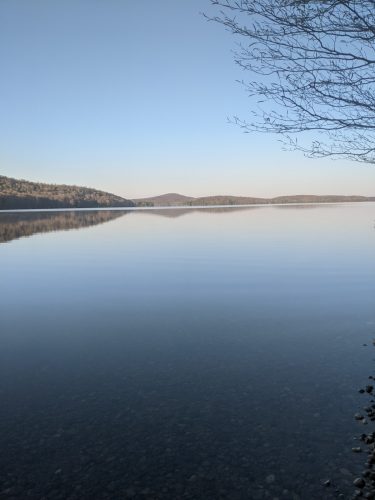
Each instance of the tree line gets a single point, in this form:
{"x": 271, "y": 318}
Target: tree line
{"x": 20, "y": 194}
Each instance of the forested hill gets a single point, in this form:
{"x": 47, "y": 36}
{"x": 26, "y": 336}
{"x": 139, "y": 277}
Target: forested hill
{"x": 20, "y": 194}
{"x": 177, "y": 200}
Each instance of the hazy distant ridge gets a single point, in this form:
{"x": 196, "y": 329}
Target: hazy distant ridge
{"x": 20, "y": 194}
{"x": 174, "y": 199}
{"x": 164, "y": 200}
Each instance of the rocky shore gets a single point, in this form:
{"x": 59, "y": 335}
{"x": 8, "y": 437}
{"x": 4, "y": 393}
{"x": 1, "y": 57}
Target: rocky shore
{"x": 365, "y": 484}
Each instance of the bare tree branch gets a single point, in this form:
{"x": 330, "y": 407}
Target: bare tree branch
{"x": 312, "y": 67}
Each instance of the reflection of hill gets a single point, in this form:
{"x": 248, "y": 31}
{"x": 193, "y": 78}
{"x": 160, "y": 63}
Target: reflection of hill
{"x": 296, "y": 206}
{"x": 21, "y": 224}
{"x": 178, "y": 212}
{"x": 14, "y": 225}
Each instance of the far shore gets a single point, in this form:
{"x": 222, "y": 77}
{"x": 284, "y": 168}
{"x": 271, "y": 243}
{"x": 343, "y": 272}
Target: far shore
{"x": 186, "y": 207}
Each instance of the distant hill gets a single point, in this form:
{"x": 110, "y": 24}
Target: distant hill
{"x": 164, "y": 200}
{"x": 174, "y": 199}
{"x": 242, "y": 200}
{"x": 229, "y": 200}
{"x": 308, "y": 198}
{"x": 21, "y": 194}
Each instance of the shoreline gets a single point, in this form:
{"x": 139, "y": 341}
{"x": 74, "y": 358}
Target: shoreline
{"x": 185, "y": 207}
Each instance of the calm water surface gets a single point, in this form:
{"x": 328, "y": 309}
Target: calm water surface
{"x": 184, "y": 354}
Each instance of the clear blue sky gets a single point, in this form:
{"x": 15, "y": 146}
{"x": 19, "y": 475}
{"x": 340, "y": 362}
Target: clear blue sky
{"x": 133, "y": 97}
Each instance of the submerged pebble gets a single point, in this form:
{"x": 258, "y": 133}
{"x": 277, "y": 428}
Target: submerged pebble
{"x": 270, "y": 478}
{"x": 359, "y": 482}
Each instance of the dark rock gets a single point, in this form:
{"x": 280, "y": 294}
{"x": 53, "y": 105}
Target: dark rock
{"x": 369, "y": 388}
{"x": 359, "y": 482}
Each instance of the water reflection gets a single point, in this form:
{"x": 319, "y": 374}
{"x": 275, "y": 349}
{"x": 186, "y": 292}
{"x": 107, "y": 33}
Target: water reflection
{"x": 179, "y": 212}
{"x": 22, "y": 224}
{"x": 15, "y": 225}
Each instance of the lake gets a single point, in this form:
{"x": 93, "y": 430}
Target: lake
{"x": 185, "y": 353}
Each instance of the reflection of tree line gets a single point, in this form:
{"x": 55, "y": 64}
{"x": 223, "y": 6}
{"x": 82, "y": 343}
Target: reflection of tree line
{"x": 178, "y": 212}
{"x": 18, "y": 225}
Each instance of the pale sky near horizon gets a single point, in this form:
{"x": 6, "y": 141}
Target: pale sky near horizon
{"x": 133, "y": 98}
